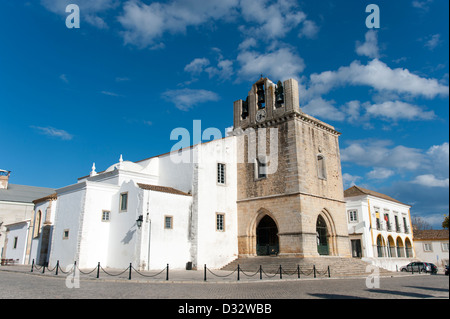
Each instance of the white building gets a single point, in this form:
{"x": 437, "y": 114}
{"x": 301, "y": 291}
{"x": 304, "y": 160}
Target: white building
{"x": 16, "y": 211}
{"x": 379, "y": 228}
{"x": 187, "y": 210}
{"x": 15, "y": 246}
{"x": 432, "y": 246}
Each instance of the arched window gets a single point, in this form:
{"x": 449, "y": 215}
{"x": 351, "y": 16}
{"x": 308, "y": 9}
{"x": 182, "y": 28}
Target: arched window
{"x": 380, "y": 246}
{"x": 400, "y": 248}
{"x": 391, "y": 247}
{"x": 408, "y": 249}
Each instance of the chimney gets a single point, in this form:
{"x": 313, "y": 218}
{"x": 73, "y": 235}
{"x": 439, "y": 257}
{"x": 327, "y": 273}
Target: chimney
{"x": 4, "y": 177}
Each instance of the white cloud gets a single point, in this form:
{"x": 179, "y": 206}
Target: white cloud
{"x": 356, "y": 112}
{"x": 53, "y": 132}
{"x": 352, "y": 110}
{"x": 122, "y": 79}
{"x": 197, "y": 66}
{"x": 370, "y": 47}
{"x": 397, "y": 110}
{"x": 145, "y": 24}
{"x": 377, "y": 75}
{"x": 380, "y": 153}
{"x": 430, "y": 167}
{"x": 64, "y": 78}
{"x": 430, "y": 180}
{"x": 380, "y": 173}
{"x": 224, "y": 69}
{"x": 350, "y": 180}
{"x": 247, "y": 44}
{"x": 433, "y": 41}
{"x": 309, "y": 30}
{"x": 422, "y": 4}
{"x": 280, "y": 64}
{"x": 185, "y": 99}
{"x": 110, "y": 93}
{"x": 323, "y": 109}
{"x": 271, "y": 21}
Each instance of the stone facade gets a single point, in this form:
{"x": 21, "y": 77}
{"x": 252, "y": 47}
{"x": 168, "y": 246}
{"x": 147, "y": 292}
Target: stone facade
{"x": 298, "y": 187}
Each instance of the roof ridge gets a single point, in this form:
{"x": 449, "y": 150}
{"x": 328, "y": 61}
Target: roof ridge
{"x": 164, "y": 189}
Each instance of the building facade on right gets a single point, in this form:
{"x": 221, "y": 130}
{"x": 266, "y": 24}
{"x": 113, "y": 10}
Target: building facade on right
{"x": 432, "y": 246}
{"x": 379, "y": 228}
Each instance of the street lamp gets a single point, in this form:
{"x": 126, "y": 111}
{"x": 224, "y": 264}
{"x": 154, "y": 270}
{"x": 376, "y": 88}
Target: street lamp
{"x": 139, "y": 221}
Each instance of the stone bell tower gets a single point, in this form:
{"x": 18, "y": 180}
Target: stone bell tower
{"x": 290, "y": 192}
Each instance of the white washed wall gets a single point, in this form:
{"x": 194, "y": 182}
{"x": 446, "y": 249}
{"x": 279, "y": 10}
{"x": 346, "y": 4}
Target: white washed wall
{"x": 122, "y": 233}
{"x": 167, "y": 246}
{"x": 19, "y": 230}
{"x": 217, "y": 248}
{"x": 95, "y": 233}
{"x": 70, "y": 205}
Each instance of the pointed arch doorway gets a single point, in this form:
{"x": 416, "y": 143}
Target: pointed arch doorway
{"x": 267, "y": 237}
{"x": 322, "y": 236}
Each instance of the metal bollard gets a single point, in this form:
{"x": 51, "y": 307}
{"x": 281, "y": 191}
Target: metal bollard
{"x": 281, "y": 273}
{"x": 260, "y": 272}
{"x": 57, "y": 267}
{"x": 32, "y": 266}
{"x": 98, "y": 270}
{"x": 204, "y": 273}
{"x": 129, "y": 273}
{"x": 314, "y": 268}
{"x": 238, "y": 273}
{"x": 167, "y": 272}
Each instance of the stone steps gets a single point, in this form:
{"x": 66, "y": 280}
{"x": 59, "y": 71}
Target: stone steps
{"x": 338, "y": 266}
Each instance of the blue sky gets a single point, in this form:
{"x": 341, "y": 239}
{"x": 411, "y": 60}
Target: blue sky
{"x": 135, "y": 70}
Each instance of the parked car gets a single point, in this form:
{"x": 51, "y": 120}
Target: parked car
{"x": 446, "y": 270}
{"x": 434, "y": 268}
{"x": 417, "y": 266}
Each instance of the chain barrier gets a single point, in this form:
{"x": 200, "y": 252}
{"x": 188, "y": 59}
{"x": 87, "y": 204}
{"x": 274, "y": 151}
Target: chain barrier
{"x": 57, "y": 268}
{"x": 280, "y": 271}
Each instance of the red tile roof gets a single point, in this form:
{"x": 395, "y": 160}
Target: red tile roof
{"x": 163, "y": 189}
{"x": 431, "y": 234}
{"x": 357, "y": 191}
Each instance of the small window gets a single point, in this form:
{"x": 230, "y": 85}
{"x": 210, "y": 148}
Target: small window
{"x": 353, "y": 216}
{"x": 168, "y": 222}
{"x": 427, "y": 247}
{"x": 444, "y": 247}
{"x": 220, "y": 222}
{"x": 322, "y": 173}
{"x": 66, "y": 234}
{"x": 15, "y": 242}
{"x": 106, "y": 215}
{"x": 123, "y": 202}
{"x": 220, "y": 173}
{"x": 261, "y": 168}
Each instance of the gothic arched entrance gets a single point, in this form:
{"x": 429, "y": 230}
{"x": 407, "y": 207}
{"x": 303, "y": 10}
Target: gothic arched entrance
{"x": 267, "y": 237}
{"x": 322, "y": 236}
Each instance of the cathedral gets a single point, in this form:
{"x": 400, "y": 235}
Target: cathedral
{"x": 272, "y": 186}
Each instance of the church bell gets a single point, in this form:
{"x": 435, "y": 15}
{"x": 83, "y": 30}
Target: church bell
{"x": 260, "y": 92}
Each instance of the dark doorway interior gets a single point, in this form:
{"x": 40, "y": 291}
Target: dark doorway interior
{"x": 322, "y": 236}
{"x": 267, "y": 237}
{"x": 356, "y": 248}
